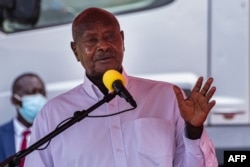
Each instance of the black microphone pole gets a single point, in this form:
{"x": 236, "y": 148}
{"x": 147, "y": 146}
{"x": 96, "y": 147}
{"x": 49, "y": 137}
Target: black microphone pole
{"x": 15, "y": 159}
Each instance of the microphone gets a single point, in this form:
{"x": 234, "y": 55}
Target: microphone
{"x": 114, "y": 81}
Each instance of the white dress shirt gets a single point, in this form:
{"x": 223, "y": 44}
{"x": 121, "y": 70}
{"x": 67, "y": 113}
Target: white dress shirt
{"x": 152, "y": 135}
{"x": 19, "y": 128}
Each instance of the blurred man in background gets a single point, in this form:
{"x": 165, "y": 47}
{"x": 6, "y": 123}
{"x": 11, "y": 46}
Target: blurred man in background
{"x": 28, "y": 97}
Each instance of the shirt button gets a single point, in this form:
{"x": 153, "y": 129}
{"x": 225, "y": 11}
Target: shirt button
{"x": 119, "y": 150}
{"x": 115, "y": 127}
{"x": 112, "y": 104}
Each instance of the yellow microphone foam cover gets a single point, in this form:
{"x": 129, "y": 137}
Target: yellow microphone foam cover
{"x": 110, "y": 76}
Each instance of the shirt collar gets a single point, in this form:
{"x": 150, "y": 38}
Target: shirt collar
{"x": 94, "y": 91}
{"x": 18, "y": 127}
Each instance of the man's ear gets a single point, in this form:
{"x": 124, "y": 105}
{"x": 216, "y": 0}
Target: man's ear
{"x": 74, "y": 49}
{"x": 122, "y": 35}
{"x": 14, "y": 101}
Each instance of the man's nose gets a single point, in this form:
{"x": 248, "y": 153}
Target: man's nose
{"x": 103, "y": 44}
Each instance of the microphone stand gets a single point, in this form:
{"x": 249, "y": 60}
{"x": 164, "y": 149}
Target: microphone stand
{"x": 15, "y": 159}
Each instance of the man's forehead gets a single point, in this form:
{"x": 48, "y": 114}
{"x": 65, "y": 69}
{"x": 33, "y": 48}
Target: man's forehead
{"x": 29, "y": 81}
{"x": 93, "y": 19}
{"x": 98, "y": 17}
{"x": 26, "y": 84}
{"x": 97, "y": 28}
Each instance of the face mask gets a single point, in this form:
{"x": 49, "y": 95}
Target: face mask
{"x": 31, "y": 105}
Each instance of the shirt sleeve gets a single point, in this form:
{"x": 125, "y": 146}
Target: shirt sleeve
{"x": 200, "y": 152}
{"x": 189, "y": 153}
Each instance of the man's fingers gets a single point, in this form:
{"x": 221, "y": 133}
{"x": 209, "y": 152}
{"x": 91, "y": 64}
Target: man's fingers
{"x": 197, "y": 85}
{"x": 210, "y": 93}
{"x": 178, "y": 94}
{"x": 206, "y": 87}
{"x": 211, "y": 104}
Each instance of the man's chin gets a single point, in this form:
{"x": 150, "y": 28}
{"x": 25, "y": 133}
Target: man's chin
{"x": 102, "y": 71}
{"x": 98, "y": 72}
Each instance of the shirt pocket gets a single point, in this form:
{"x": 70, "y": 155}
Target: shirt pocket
{"x": 154, "y": 137}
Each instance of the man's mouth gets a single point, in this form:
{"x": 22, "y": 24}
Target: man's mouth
{"x": 103, "y": 59}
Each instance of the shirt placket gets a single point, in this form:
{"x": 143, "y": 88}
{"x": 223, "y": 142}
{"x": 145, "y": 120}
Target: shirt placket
{"x": 116, "y": 135}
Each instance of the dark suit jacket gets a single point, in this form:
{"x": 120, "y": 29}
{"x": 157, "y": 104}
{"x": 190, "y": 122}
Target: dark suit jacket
{"x": 7, "y": 140}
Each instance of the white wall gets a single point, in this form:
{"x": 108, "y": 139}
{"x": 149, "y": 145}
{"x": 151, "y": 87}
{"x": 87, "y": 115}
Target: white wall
{"x": 230, "y": 59}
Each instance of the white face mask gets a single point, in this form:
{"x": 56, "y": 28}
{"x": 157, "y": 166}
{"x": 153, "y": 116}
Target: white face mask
{"x": 31, "y": 106}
